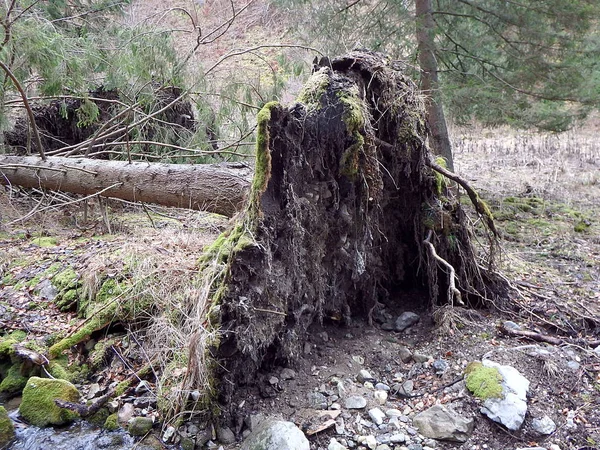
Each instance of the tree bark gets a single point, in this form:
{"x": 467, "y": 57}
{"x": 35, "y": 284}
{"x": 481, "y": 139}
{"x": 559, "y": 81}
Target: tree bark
{"x": 218, "y": 188}
{"x": 425, "y": 33}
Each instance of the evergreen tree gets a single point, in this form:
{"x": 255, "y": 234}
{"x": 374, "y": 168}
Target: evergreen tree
{"x": 525, "y": 63}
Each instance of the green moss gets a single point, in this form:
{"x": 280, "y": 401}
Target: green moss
{"x": 57, "y": 370}
{"x": 313, "y": 90}
{"x": 7, "y": 342}
{"x": 45, "y": 241}
{"x": 100, "y": 417}
{"x": 483, "y": 382}
{"x": 354, "y": 118}
{"x": 8, "y": 280}
{"x": 262, "y": 170}
{"x": 14, "y": 381}
{"x": 581, "y": 226}
{"x": 7, "y": 429}
{"x": 112, "y": 422}
{"x": 440, "y": 180}
{"x": 122, "y": 387}
{"x": 38, "y": 407}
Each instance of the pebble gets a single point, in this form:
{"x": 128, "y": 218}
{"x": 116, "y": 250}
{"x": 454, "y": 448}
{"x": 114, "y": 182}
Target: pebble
{"x": 510, "y": 325}
{"x": 597, "y": 350}
{"x": 142, "y": 387}
{"x": 420, "y": 357}
{"x": 355, "y": 402}
{"x": 168, "y": 434}
{"x": 397, "y": 438}
{"x": 573, "y": 365}
{"x": 405, "y": 354}
{"x": 317, "y": 400}
{"x": 382, "y": 387}
{"x": 383, "y": 447}
{"x": 544, "y": 425}
{"x": 377, "y": 415}
{"x": 440, "y": 366}
{"x": 393, "y": 413}
{"x": 226, "y": 436}
{"x": 125, "y": 413}
{"x": 364, "y": 376}
{"x": 381, "y": 397}
{"x": 335, "y": 445}
{"x": 287, "y": 374}
{"x": 405, "y": 320}
{"x": 195, "y": 395}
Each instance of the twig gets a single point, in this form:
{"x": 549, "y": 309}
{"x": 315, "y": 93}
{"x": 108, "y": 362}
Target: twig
{"x": 531, "y": 335}
{"x": 34, "y": 128}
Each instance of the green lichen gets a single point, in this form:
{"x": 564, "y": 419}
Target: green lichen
{"x": 440, "y": 180}
{"x": 484, "y": 382}
{"x": 262, "y": 169}
{"x": 313, "y": 90}
{"x": 14, "y": 382}
{"x": 45, "y": 241}
{"x": 7, "y": 429}
{"x": 354, "y": 118}
{"x": 38, "y": 407}
{"x": 112, "y": 422}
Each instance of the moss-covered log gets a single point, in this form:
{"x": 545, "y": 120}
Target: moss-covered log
{"x": 343, "y": 211}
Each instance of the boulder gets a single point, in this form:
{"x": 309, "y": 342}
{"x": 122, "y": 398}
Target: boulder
{"x": 7, "y": 429}
{"x": 38, "y": 407}
{"x": 510, "y": 407}
{"x": 439, "y": 422}
{"x": 405, "y": 320}
{"x": 274, "y": 434}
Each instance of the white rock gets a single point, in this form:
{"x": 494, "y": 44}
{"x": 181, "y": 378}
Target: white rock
{"x": 376, "y": 415}
{"x": 276, "y": 435}
{"x": 335, "y": 445}
{"x": 509, "y": 410}
{"x": 381, "y": 397}
{"x": 393, "y": 413}
{"x": 363, "y": 376}
{"x": 370, "y": 442}
{"x": 544, "y": 426}
{"x": 355, "y": 402}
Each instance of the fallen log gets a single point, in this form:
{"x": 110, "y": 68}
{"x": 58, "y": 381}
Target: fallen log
{"x": 217, "y": 188}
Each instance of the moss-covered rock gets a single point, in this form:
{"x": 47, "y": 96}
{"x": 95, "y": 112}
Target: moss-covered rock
{"x": 484, "y": 382}
{"x": 7, "y": 342}
{"x": 7, "y": 430}
{"x": 14, "y": 381}
{"x": 139, "y": 426}
{"x": 38, "y": 407}
{"x": 68, "y": 285}
{"x": 45, "y": 241}
{"x": 112, "y": 422}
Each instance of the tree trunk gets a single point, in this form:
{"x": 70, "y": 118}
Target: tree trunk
{"x": 218, "y": 188}
{"x": 425, "y": 32}
{"x": 343, "y": 215}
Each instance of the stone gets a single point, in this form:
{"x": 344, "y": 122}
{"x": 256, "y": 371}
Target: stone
{"x": 287, "y": 374}
{"x": 139, "y": 426}
{"x": 355, "y": 402}
{"x": 421, "y": 358}
{"x": 376, "y": 415}
{"x": 573, "y": 365}
{"x": 38, "y": 407}
{"x": 405, "y": 320}
{"x": 440, "y": 366}
{"x": 510, "y": 325}
{"x": 381, "y": 397}
{"x": 597, "y": 350}
{"x": 7, "y": 429}
{"x": 317, "y": 400}
{"x": 383, "y": 447}
{"x": 187, "y": 444}
{"x": 370, "y": 442}
{"x": 382, "y": 387}
{"x": 226, "y": 436}
{"x": 335, "y": 445}
{"x": 94, "y": 390}
{"x": 142, "y": 387}
{"x": 393, "y": 413}
{"x": 274, "y": 434}
{"x": 397, "y": 438}
{"x": 405, "y": 354}
{"x": 544, "y": 425}
{"x": 511, "y": 407}
{"x": 47, "y": 291}
{"x": 364, "y": 376}
{"x": 168, "y": 434}
{"x": 253, "y": 420}
{"x": 531, "y": 448}
{"x": 113, "y": 406}
{"x": 125, "y": 413}
{"x": 439, "y": 422}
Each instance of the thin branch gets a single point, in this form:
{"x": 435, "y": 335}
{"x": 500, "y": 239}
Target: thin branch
{"x": 34, "y": 127}
{"x": 453, "y": 292}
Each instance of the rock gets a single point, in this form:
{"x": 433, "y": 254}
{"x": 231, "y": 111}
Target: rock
{"x": 368, "y": 441}
{"x": 597, "y": 350}
{"x": 317, "y": 400}
{"x": 7, "y": 429}
{"x": 382, "y": 387}
{"x": 383, "y": 447}
{"x": 168, "y": 434}
{"x": 393, "y": 413}
{"x": 142, "y": 387}
{"x": 439, "y": 422}
{"x": 510, "y": 325}
{"x": 276, "y": 435}
{"x": 125, "y": 413}
{"x": 397, "y": 438}
{"x": 420, "y": 357}
{"x": 376, "y": 416}
{"x": 355, "y": 402}
{"x": 543, "y": 426}
{"x": 364, "y": 376}
{"x": 573, "y": 365}
{"x": 440, "y": 366}
{"x": 226, "y": 436}
{"x": 405, "y": 355}
{"x": 511, "y": 407}
{"x": 405, "y": 320}
{"x": 531, "y": 448}
{"x": 113, "y": 406}
{"x": 195, "y": 395}
{"x": 287, "y": 374}
{"x": 187, "y": 444}
{"x": 47, "y": 291}
{"x": 139, "y": 426}
{"x": 335, "y": 445}
{"x": 381, "y": 397}
{"x": 253, "y": 420}
{"x": 38, "y": 407}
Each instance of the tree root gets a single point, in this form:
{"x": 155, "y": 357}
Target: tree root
{"x": 453, "y": 292}
{"x": 481, "y": 208}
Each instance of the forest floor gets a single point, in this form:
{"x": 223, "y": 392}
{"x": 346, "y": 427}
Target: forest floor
{"x": 544, "y": 193}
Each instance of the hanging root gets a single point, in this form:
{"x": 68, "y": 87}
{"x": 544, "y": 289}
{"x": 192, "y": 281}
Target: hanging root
{"x": 453, "y": 292}
{"x": 481, "y": 208}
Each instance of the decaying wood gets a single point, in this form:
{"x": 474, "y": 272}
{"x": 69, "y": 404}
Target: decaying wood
{"x": 218, "y": 188}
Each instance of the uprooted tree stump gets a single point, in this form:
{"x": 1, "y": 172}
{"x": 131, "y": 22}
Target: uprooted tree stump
{"x": 345, "y": 213}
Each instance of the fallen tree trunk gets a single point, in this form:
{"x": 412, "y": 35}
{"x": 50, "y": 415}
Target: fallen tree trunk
{"x": 218, "y": 188}
{"x": 345, "y": 215}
